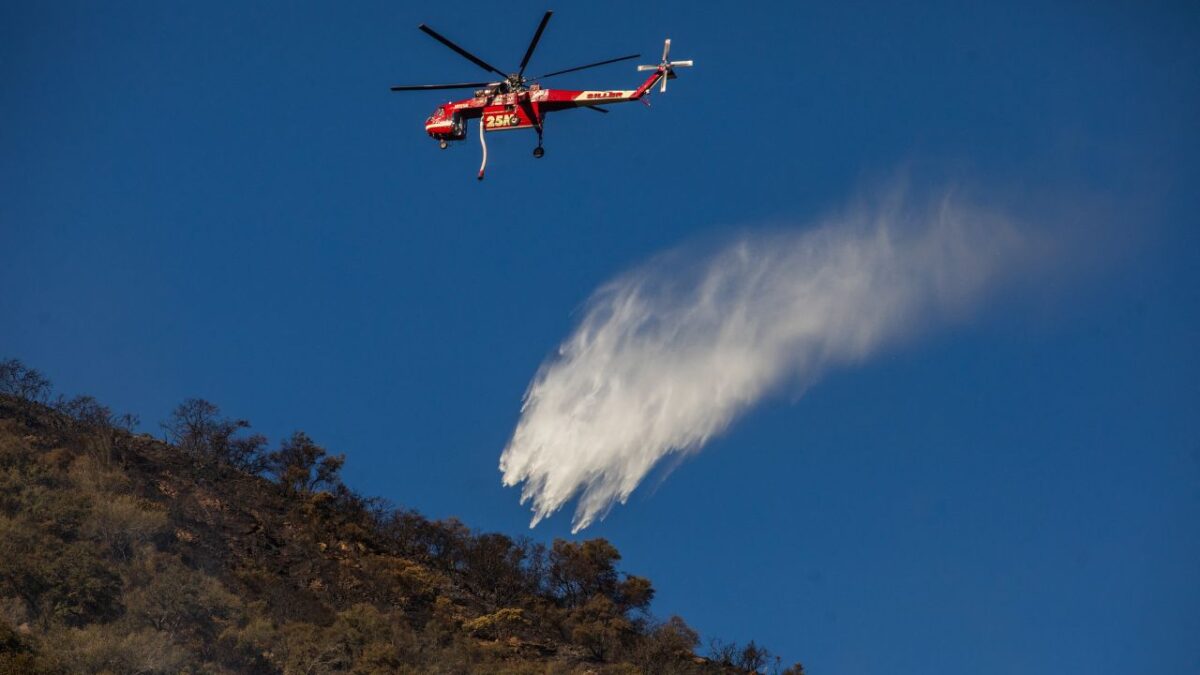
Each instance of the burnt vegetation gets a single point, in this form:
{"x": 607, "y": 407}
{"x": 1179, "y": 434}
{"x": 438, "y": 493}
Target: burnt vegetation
{"x": 210, "y": 552}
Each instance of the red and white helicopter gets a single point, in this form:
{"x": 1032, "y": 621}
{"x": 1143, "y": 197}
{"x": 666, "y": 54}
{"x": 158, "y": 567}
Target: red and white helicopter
{"x": 517, "y": 102}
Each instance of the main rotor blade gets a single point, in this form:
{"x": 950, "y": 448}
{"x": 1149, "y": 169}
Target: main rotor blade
{"x": 424, "y": 87}
{"x": 461, "y": 52}
{"x": 533, "y": 43}
{"x": 596, "y": 108}
{"x": 590, "y": 65}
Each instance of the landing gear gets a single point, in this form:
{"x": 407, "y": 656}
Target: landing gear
{"x": 443, "y": 144}
{"x": 538, "y": 151}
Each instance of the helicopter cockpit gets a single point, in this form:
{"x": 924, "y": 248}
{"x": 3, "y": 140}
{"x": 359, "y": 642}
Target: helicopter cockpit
{"x": 445, "y": 126}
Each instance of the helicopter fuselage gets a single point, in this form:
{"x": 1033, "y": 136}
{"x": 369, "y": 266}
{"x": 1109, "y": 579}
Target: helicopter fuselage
{"x": 523, "y": 109}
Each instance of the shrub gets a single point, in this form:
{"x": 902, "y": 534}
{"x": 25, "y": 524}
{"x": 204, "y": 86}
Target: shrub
{"x": 115, "y": 648}
{"x": 122, "y": 522}
{"x": 497, "y": 625}
{"x": 16, "y": 656}
{"x": 61, "y": 583}
{"x": 167, "y": 596}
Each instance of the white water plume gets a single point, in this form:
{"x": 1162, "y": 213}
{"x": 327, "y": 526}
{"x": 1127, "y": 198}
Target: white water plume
{"x": 668, "y": 355}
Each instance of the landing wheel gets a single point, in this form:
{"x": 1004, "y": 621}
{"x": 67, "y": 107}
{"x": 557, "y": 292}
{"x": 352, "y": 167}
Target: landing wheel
{"x": 443, "y": 144}
{"x": 538, "y": 152}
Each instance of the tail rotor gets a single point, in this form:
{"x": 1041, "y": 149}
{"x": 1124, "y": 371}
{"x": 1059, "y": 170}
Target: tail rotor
{"x": 667, "y": 67}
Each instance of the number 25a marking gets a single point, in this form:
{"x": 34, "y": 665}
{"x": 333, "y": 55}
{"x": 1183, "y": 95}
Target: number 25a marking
{"x": 500, "y": 121}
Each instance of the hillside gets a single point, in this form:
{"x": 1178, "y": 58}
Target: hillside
{"x": 123, "y": 553}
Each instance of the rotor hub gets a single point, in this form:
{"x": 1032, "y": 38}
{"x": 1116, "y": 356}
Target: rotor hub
{"x": 514, "y": 83}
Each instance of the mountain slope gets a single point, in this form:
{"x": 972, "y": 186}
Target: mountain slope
{"x": 123, "y": 553}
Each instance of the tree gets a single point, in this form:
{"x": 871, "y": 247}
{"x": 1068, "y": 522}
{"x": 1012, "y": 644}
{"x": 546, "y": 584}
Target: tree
{"x": 752, "y": 657}
{"x": 600, "y": 627}
{"x": 494, "y": 569}
{"x": 197, "y": 427}
{"x": 722, "y": 652}
{"x": 23, "y": 382}
{"x": 99, "y": 426}
{"x": 580, "y": 570}
{"x": 301, "y": 466}
{"x": 93, "y": 416}
{"x": 635, "y": 593}
{"x": 667, "y": 648}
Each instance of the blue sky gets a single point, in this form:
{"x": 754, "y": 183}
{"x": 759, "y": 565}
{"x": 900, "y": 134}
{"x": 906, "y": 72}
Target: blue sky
{"x": 225, "y": 201}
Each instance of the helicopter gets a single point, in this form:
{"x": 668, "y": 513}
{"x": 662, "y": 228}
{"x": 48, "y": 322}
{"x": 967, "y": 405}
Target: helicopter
{"x": 516, "y": 102}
